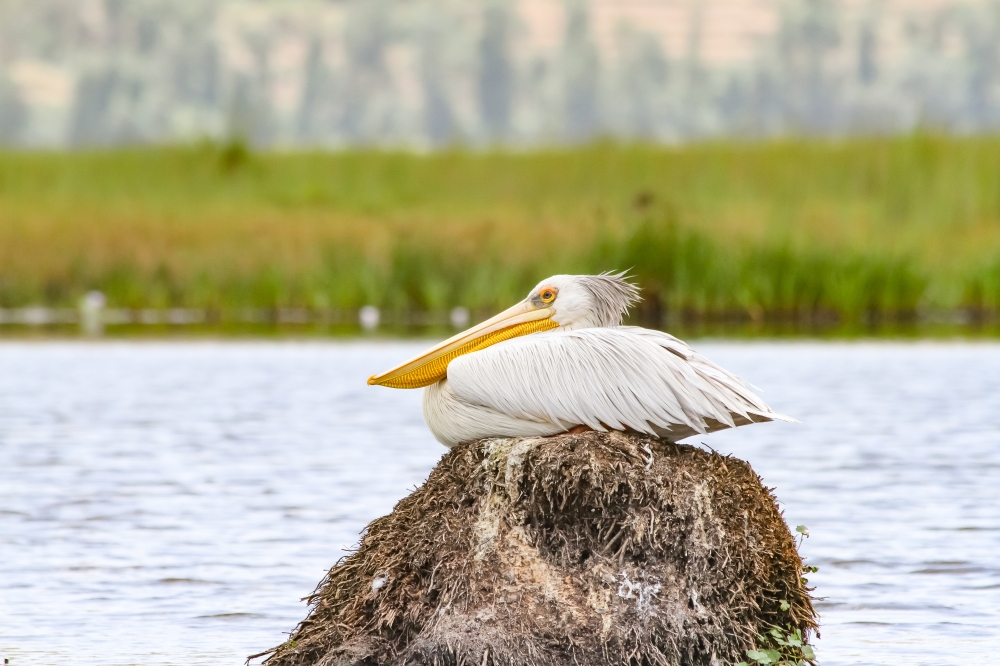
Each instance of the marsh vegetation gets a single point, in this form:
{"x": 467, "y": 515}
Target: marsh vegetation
{"x": 814, "y": 231}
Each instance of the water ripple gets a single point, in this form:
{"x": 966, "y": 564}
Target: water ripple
{"x": 171, "y": 503}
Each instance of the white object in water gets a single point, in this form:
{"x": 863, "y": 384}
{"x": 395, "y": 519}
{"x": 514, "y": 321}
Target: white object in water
{"x": 369, "y": 317}
{"x": 92, "y": 313}
{"x": 460, "y": 317}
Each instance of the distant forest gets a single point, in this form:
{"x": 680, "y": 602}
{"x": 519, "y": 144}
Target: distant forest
{"x": 431, "y": 73}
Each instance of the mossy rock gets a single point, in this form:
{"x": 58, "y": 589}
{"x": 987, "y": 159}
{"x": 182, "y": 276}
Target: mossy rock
{"x": 587, "y": 548}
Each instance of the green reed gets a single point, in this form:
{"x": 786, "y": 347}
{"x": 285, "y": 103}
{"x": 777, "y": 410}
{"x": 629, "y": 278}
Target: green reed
{"x": 798, "y": 230}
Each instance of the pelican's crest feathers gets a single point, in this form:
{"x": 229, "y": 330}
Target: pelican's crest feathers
{"x": 613, "y": 296}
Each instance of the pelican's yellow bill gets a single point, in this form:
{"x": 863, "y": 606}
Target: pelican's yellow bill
{"x": 432, "y": 366}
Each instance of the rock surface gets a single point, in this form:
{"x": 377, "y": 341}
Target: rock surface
{"x": 585, "y": 548}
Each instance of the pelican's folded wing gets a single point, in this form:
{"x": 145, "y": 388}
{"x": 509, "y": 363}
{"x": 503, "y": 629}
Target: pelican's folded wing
{"x": 619, "y": 378}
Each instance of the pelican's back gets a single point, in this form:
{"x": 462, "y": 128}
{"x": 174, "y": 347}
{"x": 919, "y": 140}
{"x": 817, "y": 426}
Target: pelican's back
{"x": 620, "y": 378}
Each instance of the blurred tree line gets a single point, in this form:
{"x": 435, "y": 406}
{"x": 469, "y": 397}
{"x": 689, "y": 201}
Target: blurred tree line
{"x": 426, "y": 73}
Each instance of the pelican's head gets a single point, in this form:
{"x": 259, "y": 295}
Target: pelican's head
{"x": 584, "y": 301}
{"x": 563, "y": 302}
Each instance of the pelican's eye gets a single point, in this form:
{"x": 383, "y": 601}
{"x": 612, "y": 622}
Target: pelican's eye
{"x": 547, "y": 294}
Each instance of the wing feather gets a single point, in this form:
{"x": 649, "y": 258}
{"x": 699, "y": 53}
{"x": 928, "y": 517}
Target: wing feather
{"x": 618, "y": 378}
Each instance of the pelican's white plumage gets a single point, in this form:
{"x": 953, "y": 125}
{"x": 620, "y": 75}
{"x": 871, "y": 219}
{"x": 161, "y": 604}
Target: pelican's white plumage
{"x": 588, "y": 370}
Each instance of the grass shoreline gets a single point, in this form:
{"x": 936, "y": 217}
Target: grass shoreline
{"x": 815, "y": 232}
{"x": 236, "y": 330}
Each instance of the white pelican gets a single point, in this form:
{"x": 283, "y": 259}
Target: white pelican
{"x": 560, "y": 360}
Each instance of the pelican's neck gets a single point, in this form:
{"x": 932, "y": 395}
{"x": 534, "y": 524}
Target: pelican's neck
{"x": 570, "y": 323}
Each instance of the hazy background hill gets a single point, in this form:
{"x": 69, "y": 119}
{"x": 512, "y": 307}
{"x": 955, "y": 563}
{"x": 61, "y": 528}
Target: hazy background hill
{"x": 425, "y": 73}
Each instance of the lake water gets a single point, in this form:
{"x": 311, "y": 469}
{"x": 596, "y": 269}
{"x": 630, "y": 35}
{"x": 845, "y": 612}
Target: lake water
{"x": 169, "y": 503}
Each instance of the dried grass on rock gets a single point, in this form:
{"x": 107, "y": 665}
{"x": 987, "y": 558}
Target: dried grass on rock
{"x": 578, "y": 549}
